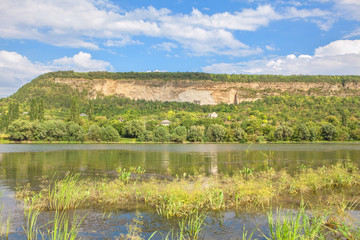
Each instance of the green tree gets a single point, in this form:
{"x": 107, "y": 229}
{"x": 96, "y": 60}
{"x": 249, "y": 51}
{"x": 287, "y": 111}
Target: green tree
{"x": 41, "y": 109}
{"x": 91, "y": 110}
{"x": 328, "y": 132}
{"x": 34, "y": 110}
{"x": 196, "y": 133}
{"x": 109, "y": 134}
{"x": 94, "y": 133}
{"x": 146, "y": 136}
{"x": 134, "y": 128}
{"x": 13, "y": 111}
{"x": 75, "y": 132}
{"x": 20, "y": 130}
{"x": 161, "y": 134}
{"x": 75, "y": 110}
{"x": 179, "y": 134}
{"x": 240, "y": 135}
{"x": 301, "y": 133}
{"x": 216, "y": 133}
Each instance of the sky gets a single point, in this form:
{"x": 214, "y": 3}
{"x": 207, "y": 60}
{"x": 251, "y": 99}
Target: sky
{"x": 282, "y": 37}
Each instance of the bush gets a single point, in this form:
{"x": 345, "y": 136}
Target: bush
{"x": 328, "y": 132}
{"x": 20, "y": 130}
{"x": 55, "y": 130}
{"x": 283, "y": 133}
{"x": 240, "y": 135}
{"x": 75, "y": 132}
{"x": 109, "y": 134}
{"x": 216, "y": 133}
{"x": 161, "y": 134}
{"x": 179, "y": 134}
{"x": 134, "y": 128}
{"x": 146, "y": 136}
{"x": 94, "y": 133}
{"x": 196, "y": 133}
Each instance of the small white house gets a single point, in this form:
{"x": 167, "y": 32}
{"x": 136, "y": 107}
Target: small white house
{"x": 83, "y": 115}
{"x": 165, "y": 123}
{"x": 212, "y": 115}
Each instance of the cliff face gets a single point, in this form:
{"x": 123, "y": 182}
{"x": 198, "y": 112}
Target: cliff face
{"x": 204, "y": 92}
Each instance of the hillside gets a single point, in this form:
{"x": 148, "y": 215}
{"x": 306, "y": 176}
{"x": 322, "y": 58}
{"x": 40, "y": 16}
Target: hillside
{"x": 89, "y": 106}
{"x": 58, "y": 87}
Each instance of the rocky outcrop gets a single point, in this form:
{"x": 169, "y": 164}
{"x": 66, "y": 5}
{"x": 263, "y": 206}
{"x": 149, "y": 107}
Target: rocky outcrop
{"x": 204, "y": 92}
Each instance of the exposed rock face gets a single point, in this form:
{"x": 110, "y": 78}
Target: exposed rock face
{"x": 204, "y": 92}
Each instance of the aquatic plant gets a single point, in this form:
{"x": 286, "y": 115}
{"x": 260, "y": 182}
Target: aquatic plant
{"x": 61, "y": 228}
{"x": 182, "y": 196}
{"x": 295, "y": 225}
{"x": 4, "y": 225}
{"x": 31, "y": 228}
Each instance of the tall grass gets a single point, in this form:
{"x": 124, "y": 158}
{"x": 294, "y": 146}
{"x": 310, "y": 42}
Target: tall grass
{"x": 31, "y": 229}
{"x": 61, "y": 228}
{"x": 182, "y": 196}
{"x": 295, "y": 225}
{"x": 4, "y": 225}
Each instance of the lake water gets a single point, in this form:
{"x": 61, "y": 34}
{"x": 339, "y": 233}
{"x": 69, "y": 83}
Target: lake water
{"x": 27, "y": 163}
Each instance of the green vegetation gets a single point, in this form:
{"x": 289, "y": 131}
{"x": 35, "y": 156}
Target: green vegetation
{"x": 190, "y": 199}
{"x": 274, "y": 119}
{"x": 183, "y": 196}
{"x": 111, "y": 118}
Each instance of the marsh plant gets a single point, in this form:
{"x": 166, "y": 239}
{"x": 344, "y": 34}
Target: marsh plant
{"x": 62, "y": 227}
{"x": 5, "y": 224}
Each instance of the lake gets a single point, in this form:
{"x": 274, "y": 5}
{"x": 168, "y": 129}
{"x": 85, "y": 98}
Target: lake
{"x": 27, "y": 163}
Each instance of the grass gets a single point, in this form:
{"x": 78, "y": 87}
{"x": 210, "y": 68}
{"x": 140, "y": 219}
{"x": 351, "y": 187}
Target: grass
{"x": 4, "y": 225}
{"x": 182, "y": 196}
{"x": 188, "y": 197}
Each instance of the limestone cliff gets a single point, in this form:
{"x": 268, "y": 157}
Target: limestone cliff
{"x": 205, "y": 92}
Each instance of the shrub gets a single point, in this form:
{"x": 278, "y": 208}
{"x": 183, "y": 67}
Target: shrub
{"x": 216, "y": 133}
{"x": 196, "y": 133}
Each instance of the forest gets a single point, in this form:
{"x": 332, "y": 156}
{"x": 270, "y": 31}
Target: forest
{"x": 273, "y": 119}
{"x": 44, "y": 110}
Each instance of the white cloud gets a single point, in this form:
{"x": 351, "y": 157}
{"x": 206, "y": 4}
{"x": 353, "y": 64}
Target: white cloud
{"x": 337, "y": 58}
{"x": 16, "y": 70}
{"x": 166, "y": 46}
{"x": 82, "y": 23}
{"x": 340, "y": 47}
{"x": 81, "y": 62}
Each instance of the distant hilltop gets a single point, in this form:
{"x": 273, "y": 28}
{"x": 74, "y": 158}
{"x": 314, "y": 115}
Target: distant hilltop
{"x": 200, "y": 88}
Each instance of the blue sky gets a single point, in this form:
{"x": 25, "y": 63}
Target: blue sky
{"x": 228, "y": 36}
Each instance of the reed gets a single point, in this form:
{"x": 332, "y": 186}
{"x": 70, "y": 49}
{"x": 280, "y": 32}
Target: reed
{"x": 4, "y": 225}
{"x": 182, "y": 196}
{"x": 61, "y": 228}
{"x": 295, "y": 225}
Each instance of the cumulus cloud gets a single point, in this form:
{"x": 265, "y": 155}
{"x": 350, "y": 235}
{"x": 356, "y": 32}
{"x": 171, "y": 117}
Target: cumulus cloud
{"x": 83, "y": 23}
{"x": 16, "y": 70}
{"x": 341, "y": 57}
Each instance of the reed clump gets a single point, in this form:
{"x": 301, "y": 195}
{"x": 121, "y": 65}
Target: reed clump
{"x": 182, "y": 196}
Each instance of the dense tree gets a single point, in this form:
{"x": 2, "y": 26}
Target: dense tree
{"x": 109, "y": 134}
{"x": 94, "y": 133}
{"x": 196, "y": 133}
{"x": 134, "y": 128}
{"x": 328, "y": 132}
{"x": 75, "y": 110}
{"x": 161, "y": 134}
{"x": 179, "y": 134}
{"x": 216, "y": 133}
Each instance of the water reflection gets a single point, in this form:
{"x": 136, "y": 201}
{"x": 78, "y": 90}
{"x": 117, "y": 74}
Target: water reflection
{"x": 18, "y": 167}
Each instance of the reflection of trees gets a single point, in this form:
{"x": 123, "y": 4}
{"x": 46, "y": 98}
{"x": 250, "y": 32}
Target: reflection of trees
{"x": 19, "y": 168}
